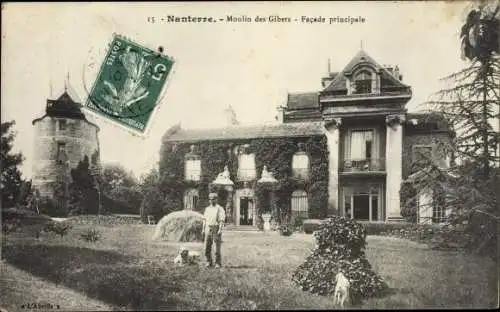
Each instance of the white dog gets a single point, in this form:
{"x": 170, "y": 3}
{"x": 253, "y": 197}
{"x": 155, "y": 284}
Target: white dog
{"x": 342, "y": 286}
{"x": 186, "y": 256}
{"x": 315, "y": 235}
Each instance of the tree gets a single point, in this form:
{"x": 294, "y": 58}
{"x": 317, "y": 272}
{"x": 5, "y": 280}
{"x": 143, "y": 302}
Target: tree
{"x": 473, "y": 99}
{"x": 115, "y": 175}
{"x": 468, "y": 191}
{"x": 11, "y": 175}
{"x": 149, "y": 180}
{"x": 83, "y": 196}
{"x": 154, "y": 204}
{"x": 129, "y": 197}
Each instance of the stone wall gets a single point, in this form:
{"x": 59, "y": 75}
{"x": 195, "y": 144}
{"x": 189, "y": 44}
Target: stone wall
{"x": 80, "y": 138}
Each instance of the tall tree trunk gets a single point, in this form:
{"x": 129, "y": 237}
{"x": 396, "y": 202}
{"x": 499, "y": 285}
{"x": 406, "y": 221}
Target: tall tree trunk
{"x": 486, "y": 154}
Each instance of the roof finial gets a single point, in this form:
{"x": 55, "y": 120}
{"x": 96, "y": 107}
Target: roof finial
{"x": 361, "y": 44}
{"x": 329, "y": 67}
{"x": 66, "y": 81}
{"x": 50, "y": 87}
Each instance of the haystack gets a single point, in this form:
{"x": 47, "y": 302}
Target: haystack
{"x": 180, "y": 226}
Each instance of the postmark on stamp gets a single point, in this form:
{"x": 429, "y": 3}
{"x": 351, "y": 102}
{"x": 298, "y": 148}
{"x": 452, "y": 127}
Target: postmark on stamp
{"x": 129, "y": 84}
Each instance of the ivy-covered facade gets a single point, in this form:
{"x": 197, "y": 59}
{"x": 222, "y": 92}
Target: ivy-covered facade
{"x": 344, "y": 150}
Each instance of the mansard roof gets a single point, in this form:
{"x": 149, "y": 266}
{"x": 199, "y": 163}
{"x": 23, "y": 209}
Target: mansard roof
{"x": 296, "y": 129}
{"x": 303, "y": 100}
{"x": 64, "y": 106}
{"x": 427, "y": 122}
{"x": 335, "y": 85}
{"x": 363, "y": 59}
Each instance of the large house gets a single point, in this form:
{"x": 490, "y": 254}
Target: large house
{"x": 345, "y": 149}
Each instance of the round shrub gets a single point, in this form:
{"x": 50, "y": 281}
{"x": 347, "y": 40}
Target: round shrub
{"x": 340, "y": 244}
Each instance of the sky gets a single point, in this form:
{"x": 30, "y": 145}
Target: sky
{"x": 250, "y": 66}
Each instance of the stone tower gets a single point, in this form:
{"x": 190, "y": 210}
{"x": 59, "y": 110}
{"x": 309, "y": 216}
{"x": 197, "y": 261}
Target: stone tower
{"x": 63, "y": 138}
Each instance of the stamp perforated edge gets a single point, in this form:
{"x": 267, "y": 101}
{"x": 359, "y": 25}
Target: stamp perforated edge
{"x": 102, "y": 116}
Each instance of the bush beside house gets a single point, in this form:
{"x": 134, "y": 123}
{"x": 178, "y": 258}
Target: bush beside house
{"x": 340, "y": 244}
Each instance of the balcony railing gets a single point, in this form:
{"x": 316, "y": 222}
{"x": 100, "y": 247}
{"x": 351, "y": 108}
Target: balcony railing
{"x": 363, "y": 165}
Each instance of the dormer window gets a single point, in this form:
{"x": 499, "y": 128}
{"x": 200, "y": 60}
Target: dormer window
{"x": 192, "y": 165}
{"x": 363, "y": 82}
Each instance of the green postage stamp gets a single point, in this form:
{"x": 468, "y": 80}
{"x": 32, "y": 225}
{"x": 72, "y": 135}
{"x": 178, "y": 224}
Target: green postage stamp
{"x": 129, "y": 84}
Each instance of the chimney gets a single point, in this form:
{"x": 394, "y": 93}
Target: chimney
{"x": 396, "y": 73}
{"x": 281, "y": 114}
{"x": 230, "y": 116}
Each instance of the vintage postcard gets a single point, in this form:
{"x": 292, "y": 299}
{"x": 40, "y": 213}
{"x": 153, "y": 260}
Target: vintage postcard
{"x": 250, "y": 155}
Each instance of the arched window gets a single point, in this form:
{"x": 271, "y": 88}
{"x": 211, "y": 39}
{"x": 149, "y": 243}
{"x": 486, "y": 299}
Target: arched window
{"x": 300, "y": 165}
{"x": 190, "y": 199}
{"x": 363, "y": 82}
{"x": 300, "y": 204}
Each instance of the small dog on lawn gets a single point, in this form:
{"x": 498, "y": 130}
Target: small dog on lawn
{"x": 186, "y": 256}
{"x": 341, "y": 293}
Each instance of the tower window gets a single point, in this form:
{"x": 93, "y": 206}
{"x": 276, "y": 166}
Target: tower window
{"x": 62, "y": 125}
{"x": 61, "y": 153}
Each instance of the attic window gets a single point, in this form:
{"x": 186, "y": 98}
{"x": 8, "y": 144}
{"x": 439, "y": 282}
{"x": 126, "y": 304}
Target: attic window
{"x": 363, "y": 83}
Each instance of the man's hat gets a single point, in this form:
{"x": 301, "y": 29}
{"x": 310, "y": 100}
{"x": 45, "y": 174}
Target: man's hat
{"x": 212, "y": 195}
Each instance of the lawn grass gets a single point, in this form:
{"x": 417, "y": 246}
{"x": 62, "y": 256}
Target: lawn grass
{"x": 128, "y": 271}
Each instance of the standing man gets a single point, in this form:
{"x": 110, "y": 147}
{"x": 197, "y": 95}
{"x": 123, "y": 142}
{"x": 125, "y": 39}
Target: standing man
{"x": 213, "y": 222}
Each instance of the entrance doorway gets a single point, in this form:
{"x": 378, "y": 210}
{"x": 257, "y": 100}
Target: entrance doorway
{"x": 362, "y": 202}
{"x": 246, "y": 211}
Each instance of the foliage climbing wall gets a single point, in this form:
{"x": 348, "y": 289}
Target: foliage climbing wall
{"x": 275, "y": 153}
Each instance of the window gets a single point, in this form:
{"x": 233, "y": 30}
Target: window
{"x": 246, "y": 167}
{"x": 61, "y": 153}
{"x": 190, "y": 199}
{"x": 193, "y": 169}
{"x": 300, "y": 165}
{"x": 438, "y": 209}
{"x": 300, "y": 204}
{"x": 363, "y": 83}
{"x": 361, "y": 150}
{"x": 361, "y": 144}
{"x": 62, "y": 124}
